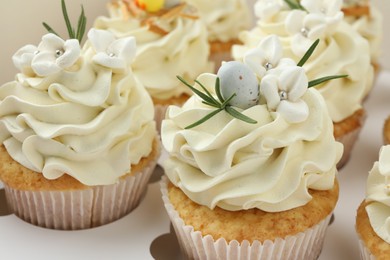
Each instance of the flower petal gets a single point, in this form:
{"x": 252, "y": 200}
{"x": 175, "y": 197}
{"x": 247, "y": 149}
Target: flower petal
{"x": 44, "y": 64}
{"x": 254, "y": 58}
{"x": 114, "y": 63}
{"x": 100, "y": 39}
{"x": 124, "y": 48}
{"x": 293, "y": 112}
{"x": 269, "y": 89}
{"x": 51, "y": 42}
{"x": 23, "y": 57}
{"x": 272, "y": 48}
{"x": 294, "y": 21}
{"x": 71, "y": 54}
{"x": 293, "y": 80}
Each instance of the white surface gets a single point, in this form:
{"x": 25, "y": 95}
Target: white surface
{"x": 131, "y": 236}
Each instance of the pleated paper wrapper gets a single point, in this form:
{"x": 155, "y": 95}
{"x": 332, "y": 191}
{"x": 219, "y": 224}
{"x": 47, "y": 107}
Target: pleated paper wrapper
{"x": 81, "y": 209}
{"x": 305, "y": 245}
{"x": 349, "y": 140}
{"x": 365, "y": 254}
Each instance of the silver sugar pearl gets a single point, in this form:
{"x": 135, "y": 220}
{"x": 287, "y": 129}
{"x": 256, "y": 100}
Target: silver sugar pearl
{"x": 283, "y": 95}
{"x": 268, "y": 66}
{"x": 36, "y": 52}
{"x": 59, "y": 53}
{"x": 111, "y": 54}
{"x": 305, "y": 32}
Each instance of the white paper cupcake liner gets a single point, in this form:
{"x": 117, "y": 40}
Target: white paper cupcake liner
{"x": 159, "y": 115}
{"x": 365, "y": 254}
{"x": 81, "y": 209}
{"x": 305, "y": 245}
{"x": 349, "y": 140}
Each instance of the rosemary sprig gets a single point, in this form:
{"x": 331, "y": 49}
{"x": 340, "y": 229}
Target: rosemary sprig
{"x": 220, "y": 104}
{"x": 82, "y": 22}
{"x": 305, "y": 57}
{"x": 316, "y": 82}
{"x": 294, "y": 4}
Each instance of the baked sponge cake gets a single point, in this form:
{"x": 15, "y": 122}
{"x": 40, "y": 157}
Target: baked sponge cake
{"x": 373, "y": 214}
{"x": 247, "y": 175}
{"x": 78, "y": 138}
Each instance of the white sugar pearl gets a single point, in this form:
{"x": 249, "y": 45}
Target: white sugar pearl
{"x": 236, "y": 77}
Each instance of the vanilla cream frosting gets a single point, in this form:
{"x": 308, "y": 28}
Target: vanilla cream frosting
{"x": 224, "y": 19}
{"x": 77, "y": 111}
{"x": 371, "y": 28}
{"x": 182, "y": 50}
{"x": 341, "y": 50}
{"x": 235, "y": 165}
{"x": 378, "y": 195}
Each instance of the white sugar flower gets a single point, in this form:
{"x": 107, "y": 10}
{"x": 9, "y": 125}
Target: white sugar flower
{"x": 320, "y": 18}
{"x": 265, "y": 56}
{"x": 111, "y": 52}
{"x": 283, "y": 89}
{"x": 331, "y": 9}
{"x": 54, "y": 54}
{"x": 22, "y": 59}
{"x": 305, "y": 29}
{"x": 266, "y": 9}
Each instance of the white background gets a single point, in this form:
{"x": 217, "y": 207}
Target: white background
{"x": 131, "y": 237}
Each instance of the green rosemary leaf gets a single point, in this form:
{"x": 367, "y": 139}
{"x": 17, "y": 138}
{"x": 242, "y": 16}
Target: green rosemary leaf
{"x": 204, "y": 119}
{"x": 211, "y": 104}
{"x": 82, "y": 22}
{"x": 240, "y": 116}
{"x": 224, "y": 104}
{"x": 323, "y": 79}
{"x": 294, "y": 5}
{"x": 197, "y": 92}
{"x": 308, "y": 53}
{"x": 207, "y": 92}
{"x": 218, "y": 90}
{"x": 67, "y": 21}
{"x": 49, "y": 29}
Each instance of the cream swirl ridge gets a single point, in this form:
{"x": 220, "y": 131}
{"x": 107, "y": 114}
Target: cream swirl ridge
{"x": 84, "y": 121}
{"x": 270, "y": 165}
{"x": 178, "y": 47}
{"x": 378, "y": 195}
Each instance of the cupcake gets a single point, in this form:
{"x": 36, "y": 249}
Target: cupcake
{"x": 386, "y": 131}
{"x": 78, "y": 139}
{"x": 366, "y": 19}
{"x": 170, "y": 41}
{"x": 373, "y": 215}
{"x": 249, "y": 153}
{"x": 224, "y": 21}
{"x": 341, "y": 51}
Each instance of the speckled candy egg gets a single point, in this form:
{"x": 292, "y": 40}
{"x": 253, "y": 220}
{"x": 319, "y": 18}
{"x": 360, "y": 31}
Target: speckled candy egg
{"x": 236, "y": 77}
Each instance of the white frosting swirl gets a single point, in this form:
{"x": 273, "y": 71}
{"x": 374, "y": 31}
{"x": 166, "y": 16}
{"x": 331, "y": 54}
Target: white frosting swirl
{"x": 341, "y": 51}
{"x": 371, "y": 28}
{"x": 224, "y": 19}
{"x": 86, "y": 120}
{"x": 183, "y": 51}
{"x": 378, "y": 194}
{"x": 235, "y": 165}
